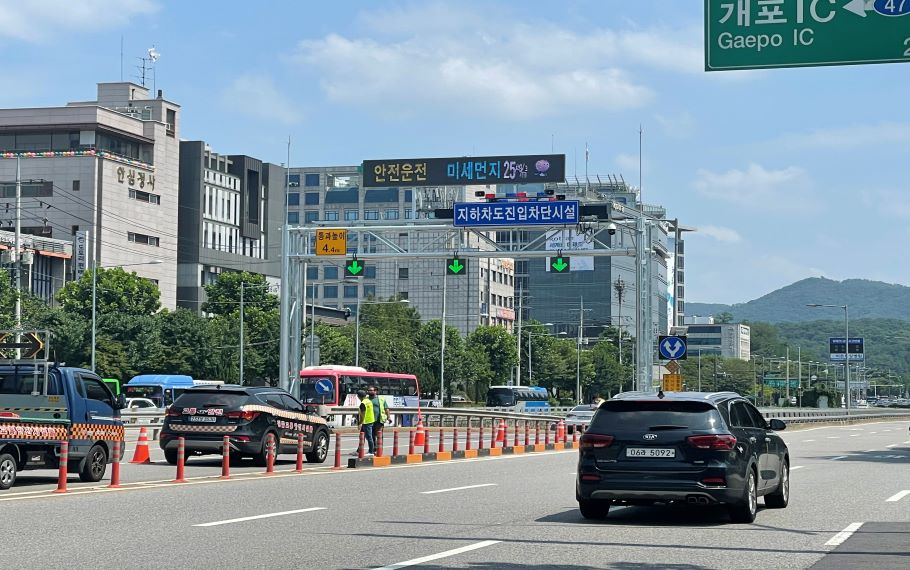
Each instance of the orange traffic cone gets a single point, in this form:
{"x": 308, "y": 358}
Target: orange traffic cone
{"x": 501, "y": 432}
{"x": 141, "y": 455}
{"x": 420, "y": 434}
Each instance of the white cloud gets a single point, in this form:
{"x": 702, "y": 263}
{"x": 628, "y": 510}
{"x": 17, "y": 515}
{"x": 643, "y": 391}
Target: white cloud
{"x": 680, "y": 126}
{"x": 856, "y": 136}
{"x": 490, "y": 63}
{"x": 889, "y": 203}
{"x": 627, "y": 162}
{"x": 720, "y": 233}
{"x": 256, "y": 95}
{"x": 36, "y": 21}
{"x": 789, "y": 189}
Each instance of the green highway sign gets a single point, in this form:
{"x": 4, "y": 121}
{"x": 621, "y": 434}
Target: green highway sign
{"x": 455, "y": 266}
{"x": 559, "y": 264}
{"x": 354, "y": 269}
{"x": 755, "y": 34}
{"x": 781, "y": 382}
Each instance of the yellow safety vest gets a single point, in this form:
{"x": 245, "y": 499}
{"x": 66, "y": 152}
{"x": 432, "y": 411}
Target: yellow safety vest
{"x": 368, "y": 415}
{"x": 383, "y": 412}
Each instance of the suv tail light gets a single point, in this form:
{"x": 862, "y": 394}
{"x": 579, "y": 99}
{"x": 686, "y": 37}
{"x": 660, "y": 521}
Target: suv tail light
{"x": 722, "y": 442}
{"x": 245, "y": 416}
{"x": 172, "y": 411}
{"x": 595, "y": 441}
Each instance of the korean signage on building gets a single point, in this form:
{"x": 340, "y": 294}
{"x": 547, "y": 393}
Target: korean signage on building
{"x": 525, "y": 169}
{"x": 81, "y": 253}
{"x": 568, "y": 241}
{"x": 470, "y": 214}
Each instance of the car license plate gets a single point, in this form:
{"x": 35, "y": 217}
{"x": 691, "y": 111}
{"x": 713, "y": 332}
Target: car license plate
{"x": 207, "y": 419}
{"x": 650, "y": 452}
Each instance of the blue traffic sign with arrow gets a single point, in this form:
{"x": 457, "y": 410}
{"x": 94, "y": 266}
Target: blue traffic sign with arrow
{"x": 672, "y": 347}
{"x": 324, "y": 387}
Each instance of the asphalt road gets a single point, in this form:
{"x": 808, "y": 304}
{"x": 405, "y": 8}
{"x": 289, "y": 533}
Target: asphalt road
{"x": 504, "y": 512}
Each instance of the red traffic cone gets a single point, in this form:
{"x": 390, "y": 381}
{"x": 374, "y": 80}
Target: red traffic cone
{"x": 420, "y": 434}
{"x": 501, "y": 433}
{"x": 141, "y": 455}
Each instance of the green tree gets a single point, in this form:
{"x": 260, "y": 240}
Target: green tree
{"x": 429, "y": 342}
{"x": 223, "y": 296}
{"x": 500, "y": 351}
{"x": 117, "y": 291}
{"x": 723, "y": 318}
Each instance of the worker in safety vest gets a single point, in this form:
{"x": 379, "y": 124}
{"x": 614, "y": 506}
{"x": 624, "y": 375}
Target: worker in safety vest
{"x": 380, "y": 412}
{"x": 367, "y": 418}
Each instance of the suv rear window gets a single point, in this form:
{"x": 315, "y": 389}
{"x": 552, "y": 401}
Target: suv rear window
{"x": 616, "y": 415}
{"x": 209, "y": 399}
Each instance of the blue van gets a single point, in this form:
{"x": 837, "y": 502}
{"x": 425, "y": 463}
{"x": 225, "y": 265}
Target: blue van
{"x": 162, "y": 389}
{"x": 42, "y": 404}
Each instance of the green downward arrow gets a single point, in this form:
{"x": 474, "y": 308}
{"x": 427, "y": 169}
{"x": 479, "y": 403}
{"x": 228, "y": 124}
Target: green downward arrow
{"x": 456, "y": 266}
{"x": 559, "y": 265}
{"x": 354, "y": 268}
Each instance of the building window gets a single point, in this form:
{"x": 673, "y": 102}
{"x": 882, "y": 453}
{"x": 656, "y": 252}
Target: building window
{"x": 371, "y": 214}
{"x": 141, "y": 196}
{"x": 310, "y": 216}
{"x": 350, "y": 291}
{"x": 76, "y": 184}
{"x": 293, "y": 199}
{"x": 408, "y": 214}
{"x": 293, "y": 180}
{"x": 369, "y": 272}
{"x": 351, "y": 215}
{"x": 312, "y": 273}
{"x": 330, "y": 291}
{"x": 311, "y": 198}
{"x": 311, "y": 180}
{"x": 369, "y": 291}
{"x": 143, "y": 239}
{"x": 391, "y": 214}
{"x": 331, "y": 215}
{"x": 402, "y": 272}
{"x": 293, "y": 217}
{"x": 402, "y": 295}
{"x": 330, "y": 273}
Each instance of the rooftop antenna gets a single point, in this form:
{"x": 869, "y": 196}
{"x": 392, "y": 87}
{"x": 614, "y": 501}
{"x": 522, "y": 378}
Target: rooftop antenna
{"x": 148, "y": 65}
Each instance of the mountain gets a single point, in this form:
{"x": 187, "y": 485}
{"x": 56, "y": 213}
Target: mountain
{"x": 866, "y": 299}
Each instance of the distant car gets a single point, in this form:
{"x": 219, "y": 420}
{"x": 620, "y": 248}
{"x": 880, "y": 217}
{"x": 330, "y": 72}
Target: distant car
{"x": 685, "y": 447}
{"x": 139, "y": 404}
{"x": 459, "y": 398}
{"x": 579, "y": 417}
{"x": 247, "y": 415}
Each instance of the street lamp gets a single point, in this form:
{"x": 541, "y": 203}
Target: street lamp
{"x": 357, "y": 323}
{"x": 846, "y": 349}
{"x": 95, "y": 268}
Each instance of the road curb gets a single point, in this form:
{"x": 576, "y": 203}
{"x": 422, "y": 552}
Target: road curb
{"x": 354, "y": 462}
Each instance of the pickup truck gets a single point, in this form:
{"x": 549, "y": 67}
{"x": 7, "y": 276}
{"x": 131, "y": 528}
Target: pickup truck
{"x": 42, "y": 404}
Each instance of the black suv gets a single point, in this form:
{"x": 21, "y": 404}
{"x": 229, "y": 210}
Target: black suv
{"x": 692, "y": 447}
{"x": 205, "y": 414}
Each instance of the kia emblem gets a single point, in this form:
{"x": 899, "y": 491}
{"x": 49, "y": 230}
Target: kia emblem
{"x": 650, "y": 436}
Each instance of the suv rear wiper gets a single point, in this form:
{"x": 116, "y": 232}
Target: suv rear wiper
{"x": 666, "y": 427}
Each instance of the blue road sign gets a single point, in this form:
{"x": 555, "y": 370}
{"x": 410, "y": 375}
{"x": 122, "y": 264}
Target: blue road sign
{"x": 472, "y": 214}
{"x": 324, "y": 387}
{"x": 672, "y": 347}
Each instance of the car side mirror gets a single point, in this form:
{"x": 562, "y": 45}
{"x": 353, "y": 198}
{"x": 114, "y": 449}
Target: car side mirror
{"x": 121, "y": 402}
{"x": 778, "y": 425}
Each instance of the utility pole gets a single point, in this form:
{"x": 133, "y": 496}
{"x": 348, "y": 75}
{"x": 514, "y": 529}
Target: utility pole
{"x": 620, "y": 288}
{"x": 799, "y": 373}
{"x": 442, "y": 349}
{"x": 17, "y": 257}
{"x": 788, "y": 376}
{"x": 518, "y": 366}
{"x": 242, "y": 284}
{"x": 699, "y": 370}
{"x": 581, "y": 326}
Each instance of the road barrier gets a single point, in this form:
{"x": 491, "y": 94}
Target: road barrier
{"x": 299, "y": 467}
{"x": 181, "y": 459}
{"x": 395, "y": 441}
{"x": 337, "y": 451}
{"x": 115, "y": 467}
{"x": 226, "y": 458}
{"x": 270, "y": 454}
{"x": 63, "y": 473}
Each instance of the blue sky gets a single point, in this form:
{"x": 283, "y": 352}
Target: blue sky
{"x": 786, "y": 173}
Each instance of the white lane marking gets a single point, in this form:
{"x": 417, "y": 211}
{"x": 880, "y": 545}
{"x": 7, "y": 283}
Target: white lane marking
{"x": 808, "y": 440}
{"x": 843, "y": 535}
{"x": 855, "y": 434}
{"x": 838, "y": 457}
{"x": 457, "y": 489}
{"x": 893, "y": 445}
{"x": 873, "y": 432}
{"x": 446, "y": 554}
{"x": 833, "y": 437}
{"x": 795, "y": 467}
{"x": 897, "y": 497}
{"x": 871, "y": 450}
{"x": 256, "y": 517}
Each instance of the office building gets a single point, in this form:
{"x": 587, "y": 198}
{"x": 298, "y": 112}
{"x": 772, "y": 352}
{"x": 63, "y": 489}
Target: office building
{"x": 231, "y": 212}
{"x": 727, "y": 340}
{"x": 103, "y": 173}
{"x": 483, "y": 296}
{"x": 45, "y": 263}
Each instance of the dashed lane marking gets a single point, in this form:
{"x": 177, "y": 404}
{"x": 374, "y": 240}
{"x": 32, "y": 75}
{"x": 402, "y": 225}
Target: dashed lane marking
{"x": 843, "y": 535}
{"x": 458, "y": 488}
{"x": 897, "y": 497}
{"x": 446, "y": 554}
{"x": 838, "y": 457}
{"x": 795, "y": 467}
{"x": 257, "y": 517}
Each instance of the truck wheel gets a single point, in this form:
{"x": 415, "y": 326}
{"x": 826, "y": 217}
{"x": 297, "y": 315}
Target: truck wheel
{"x": 94, "y": 465}
{"x": 320, "y": 449}
{"x": 7, "y": 471}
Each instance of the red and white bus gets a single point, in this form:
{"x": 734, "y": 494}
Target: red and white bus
{"x": 333, "y": 385}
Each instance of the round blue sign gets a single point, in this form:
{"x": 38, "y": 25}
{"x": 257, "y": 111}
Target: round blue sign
{"x": 324, "y": 387}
